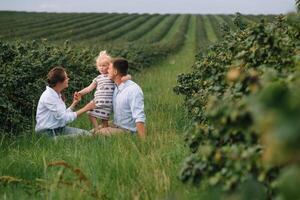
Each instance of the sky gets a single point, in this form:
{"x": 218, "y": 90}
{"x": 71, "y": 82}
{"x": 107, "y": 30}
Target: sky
{"x": 153, "y": 6}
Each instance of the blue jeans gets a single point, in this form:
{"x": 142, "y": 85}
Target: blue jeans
{"x": 65, "y": 131}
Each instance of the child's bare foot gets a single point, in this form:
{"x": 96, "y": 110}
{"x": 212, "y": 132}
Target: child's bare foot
{"x": 94, "y": 123}
{"x": 104, "y": 126}
{"x": 104, "y": 123}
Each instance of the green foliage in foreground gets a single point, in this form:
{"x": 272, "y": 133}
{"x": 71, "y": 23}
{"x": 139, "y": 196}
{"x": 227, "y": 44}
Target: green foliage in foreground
{"x": 242, "y": 95}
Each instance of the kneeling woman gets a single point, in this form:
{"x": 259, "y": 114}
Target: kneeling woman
{"x": 52, "y": 115}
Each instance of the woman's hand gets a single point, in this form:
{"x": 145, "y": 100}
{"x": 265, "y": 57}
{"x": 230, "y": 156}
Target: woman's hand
{"x": 76, "y": 99}
{"x": 90, "y": 106}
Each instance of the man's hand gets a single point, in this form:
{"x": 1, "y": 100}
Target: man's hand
{"x": 140, "y": 126}
{"x": 126, "y": 78}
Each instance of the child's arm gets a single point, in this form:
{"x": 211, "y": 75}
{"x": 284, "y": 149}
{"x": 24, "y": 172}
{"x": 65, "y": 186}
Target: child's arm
{"x": 88, "y": 89}
{"x": 126, "y": 78}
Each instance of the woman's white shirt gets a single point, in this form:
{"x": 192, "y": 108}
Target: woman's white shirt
{"x": 52, "y": 112}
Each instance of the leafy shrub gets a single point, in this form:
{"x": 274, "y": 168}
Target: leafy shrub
{"x": 228, "y": 94}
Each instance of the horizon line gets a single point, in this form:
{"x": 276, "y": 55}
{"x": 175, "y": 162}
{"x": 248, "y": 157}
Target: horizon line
{"x": 151, "y": 13}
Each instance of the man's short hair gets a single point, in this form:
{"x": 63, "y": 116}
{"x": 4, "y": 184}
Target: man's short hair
{"x": 121, "y": 65}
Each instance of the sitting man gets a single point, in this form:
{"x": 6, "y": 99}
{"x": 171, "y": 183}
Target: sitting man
{"x": 128, "y": 102}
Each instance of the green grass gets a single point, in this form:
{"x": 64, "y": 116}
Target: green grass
{"x": 38, "y": 29}
{"x": 171, "y": 32}
{"x": 106, "y": 28}
{"x": 201, "y": 34}
{"x": 143, "y": 29}
{"x": 120, "y": 167}
{"x": 210, "y": 32}
{"x": 161, "y": 30}
{"x": 80, "y": 32}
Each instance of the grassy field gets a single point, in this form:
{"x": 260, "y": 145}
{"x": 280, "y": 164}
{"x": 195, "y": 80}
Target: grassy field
{"x": 121, "y": 167}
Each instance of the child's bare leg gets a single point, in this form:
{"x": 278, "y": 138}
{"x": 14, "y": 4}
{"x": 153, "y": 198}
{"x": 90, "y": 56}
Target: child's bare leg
{"x": 94, "y": 122}
{"x": 104, "y": 123}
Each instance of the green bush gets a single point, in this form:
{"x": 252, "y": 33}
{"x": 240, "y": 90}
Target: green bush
{"x": 228, "y": 94}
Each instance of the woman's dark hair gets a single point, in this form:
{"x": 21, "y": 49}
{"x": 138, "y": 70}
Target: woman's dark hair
{"x": 121, "y": 65}
{"x": 56, "y": 75}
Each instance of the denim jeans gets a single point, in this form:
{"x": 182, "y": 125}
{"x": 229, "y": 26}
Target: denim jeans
{"x": 65, "y": 131}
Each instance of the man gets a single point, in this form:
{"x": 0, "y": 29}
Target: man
{"x": 128, "y": 102}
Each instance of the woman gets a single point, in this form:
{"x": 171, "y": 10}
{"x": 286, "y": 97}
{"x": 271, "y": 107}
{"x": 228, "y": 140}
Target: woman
{"x": 52, "y": 116}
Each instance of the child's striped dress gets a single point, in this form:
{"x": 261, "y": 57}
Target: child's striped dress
{"x": 103, "y": 97}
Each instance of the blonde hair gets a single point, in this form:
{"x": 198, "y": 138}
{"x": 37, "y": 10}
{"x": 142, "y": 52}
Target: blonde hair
{"x": 103, "y": 55}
